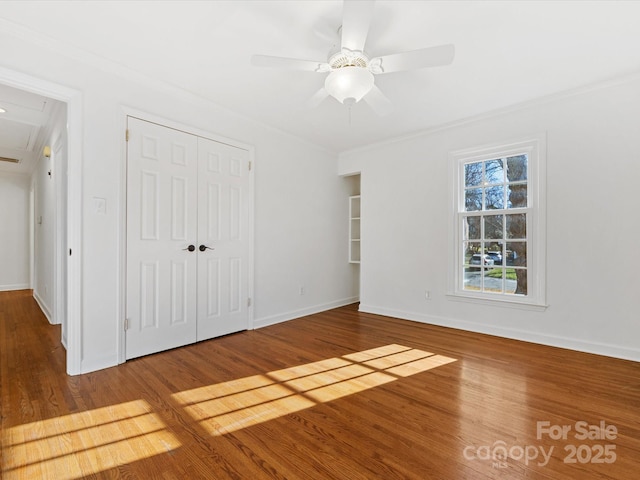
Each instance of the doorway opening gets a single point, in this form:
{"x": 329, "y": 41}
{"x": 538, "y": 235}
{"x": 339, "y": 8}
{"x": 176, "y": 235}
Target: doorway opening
{"x": 66, "y": 224}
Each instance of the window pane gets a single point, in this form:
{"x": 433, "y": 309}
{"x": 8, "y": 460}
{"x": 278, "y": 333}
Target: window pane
{"x": 517, "y": 168}
{"x": 516, "y": 282}
{"x": 473, "y": 199}
{"x": 517, "y": 195}
{"x": 517, "y": 254}
{"x": 472, "y": 174}
{"x": 494, "y": 171}
{"x": 470, "y": 249}
{"x": 494, "y": 250}
{"x": 494, "y": 198}
{"x": 471, "y": 227}
{"x": 510, "y": 281}
{"x": 473, "y": 278}
{"x": 493, "y": 226}
{"x": 516, "y": 225}
{"x": 493, "y": 281}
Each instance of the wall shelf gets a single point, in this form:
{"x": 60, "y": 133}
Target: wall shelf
{"x": 354, "y": 229}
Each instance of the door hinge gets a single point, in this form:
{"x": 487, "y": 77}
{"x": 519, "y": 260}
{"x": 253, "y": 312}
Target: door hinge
{"x": 248, "y": 302}
{"x": 126, "y": 135}
{"x": 250, "y": 166}
{"x": 69, "y": 252}
{"x": 126, "y": 324}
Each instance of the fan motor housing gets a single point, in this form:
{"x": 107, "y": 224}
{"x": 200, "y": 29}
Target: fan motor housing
{"x": 347, "y": 58}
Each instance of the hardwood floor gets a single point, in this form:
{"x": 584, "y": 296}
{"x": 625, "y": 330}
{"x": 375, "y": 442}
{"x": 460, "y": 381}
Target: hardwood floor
{"x": 337, "y": 395}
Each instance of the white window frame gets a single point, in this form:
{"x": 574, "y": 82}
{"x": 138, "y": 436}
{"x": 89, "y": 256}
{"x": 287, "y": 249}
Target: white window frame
{"x": 535, "y": 149}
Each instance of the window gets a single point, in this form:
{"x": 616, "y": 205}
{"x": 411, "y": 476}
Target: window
{"x": 497, "y": 236}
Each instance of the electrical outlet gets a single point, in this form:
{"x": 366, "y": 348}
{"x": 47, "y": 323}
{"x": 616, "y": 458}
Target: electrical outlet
{"x": 302, "y": 290}
{"x": 427, "y": 294}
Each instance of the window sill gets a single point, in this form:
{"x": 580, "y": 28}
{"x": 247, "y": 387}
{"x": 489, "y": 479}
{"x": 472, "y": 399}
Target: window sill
{"x": 536, "y": 307}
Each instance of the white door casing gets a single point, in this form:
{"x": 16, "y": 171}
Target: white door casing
{"x": 182, "y": 191}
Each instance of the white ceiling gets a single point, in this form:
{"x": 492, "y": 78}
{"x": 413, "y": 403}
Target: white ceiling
{"x": 507, "y": 52}
{"x": 22, "y": 127}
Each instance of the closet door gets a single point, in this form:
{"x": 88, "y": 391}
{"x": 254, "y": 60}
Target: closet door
{"x": 162, "y": 198}
{"x": 223, "y": 234}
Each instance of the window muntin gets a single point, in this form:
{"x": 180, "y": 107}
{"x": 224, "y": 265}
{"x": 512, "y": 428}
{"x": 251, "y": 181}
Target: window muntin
{"x": 498, "y": 233}
{"x": 494, "y": 244}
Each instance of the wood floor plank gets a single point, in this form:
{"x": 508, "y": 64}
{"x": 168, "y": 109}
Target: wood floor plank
{"x": 337, "y": 395}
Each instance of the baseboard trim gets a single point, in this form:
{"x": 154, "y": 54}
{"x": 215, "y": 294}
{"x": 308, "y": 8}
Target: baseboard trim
{"x": 98, "y": 363}
{"x": 43, "y": 306}
{"x": 596, "y": 348}
{"x": 284, "y": 317}
{"x": 17, "y": 286}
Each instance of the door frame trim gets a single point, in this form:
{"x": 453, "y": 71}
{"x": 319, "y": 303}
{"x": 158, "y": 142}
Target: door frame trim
{"x": 125, "y": 112}
{"x": 73, "y": 99}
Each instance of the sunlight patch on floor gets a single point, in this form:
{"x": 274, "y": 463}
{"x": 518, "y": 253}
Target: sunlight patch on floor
{"x": 86, "y": 443}
{"x": 230, "y": 406}
{"x": 76, "y": 445}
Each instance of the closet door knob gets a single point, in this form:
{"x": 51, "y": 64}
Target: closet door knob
{"x": 191, "y": 248}
{"x": 204, "y": 247}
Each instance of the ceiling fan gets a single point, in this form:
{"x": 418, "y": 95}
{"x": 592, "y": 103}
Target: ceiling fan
{"x": 351, "y": 71}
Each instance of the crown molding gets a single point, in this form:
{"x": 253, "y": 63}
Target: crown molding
{"x": 517, "y": 107}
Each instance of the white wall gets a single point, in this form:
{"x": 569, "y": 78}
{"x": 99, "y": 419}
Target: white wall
{"x": 45, "y": 214}
{"x": 593, "y": 226}
{"x": 43, "y": 235}
{"x": 300, "y": 202}
{"x": 301, "y": 213}
{"x": 14, "y": 231}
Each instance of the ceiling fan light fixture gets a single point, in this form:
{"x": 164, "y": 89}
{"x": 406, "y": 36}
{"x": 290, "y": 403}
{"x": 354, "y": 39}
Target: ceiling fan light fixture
{"x": 349, "y": 83}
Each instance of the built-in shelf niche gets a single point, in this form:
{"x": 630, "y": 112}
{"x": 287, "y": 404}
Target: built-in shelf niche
{"x": 354, "y": 229}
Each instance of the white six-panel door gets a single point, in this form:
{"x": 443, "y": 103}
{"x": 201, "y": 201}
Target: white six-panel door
{"x": 223, "y": 212}
{"x": 223, "y": 275}
{"x": 182, "y": 191}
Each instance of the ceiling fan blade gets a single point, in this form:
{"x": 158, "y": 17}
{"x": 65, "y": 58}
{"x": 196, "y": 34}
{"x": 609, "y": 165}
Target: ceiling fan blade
{"x": 289, "y": 63}
{"x": 317, "y": 98}
{"x": 424, "y": 57}
{"x": 378, "y": 101}
{"x": 356, "y": 17}
{"x": 325, "y": 30}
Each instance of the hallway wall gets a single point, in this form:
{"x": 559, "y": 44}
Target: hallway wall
{"x": 14, "y": 231}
